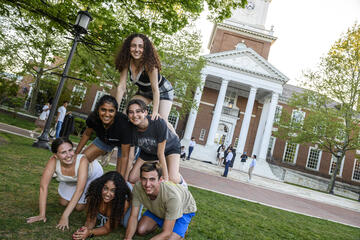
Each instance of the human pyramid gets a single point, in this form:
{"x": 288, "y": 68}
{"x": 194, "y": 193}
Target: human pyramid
{"x": 116, "y": 198}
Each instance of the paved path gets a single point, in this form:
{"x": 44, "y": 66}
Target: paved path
{"x": 260, "y": 190}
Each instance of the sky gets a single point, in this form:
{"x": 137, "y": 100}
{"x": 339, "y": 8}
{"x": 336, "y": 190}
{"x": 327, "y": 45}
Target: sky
{"x": 305, "y": 29}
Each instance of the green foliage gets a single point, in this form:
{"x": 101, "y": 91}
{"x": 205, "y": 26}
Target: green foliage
{"x": 218, "y": 216}
{"x": 80, "y": 125}
{"x": 8, "y": 88}
{"x": 332, "y": 104}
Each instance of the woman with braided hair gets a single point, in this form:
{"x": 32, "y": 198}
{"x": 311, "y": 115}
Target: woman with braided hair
{"x": 108, "y": 205}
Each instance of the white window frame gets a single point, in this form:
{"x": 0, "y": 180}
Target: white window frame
{"x": 318, "y": 162}
{"x": 175, "y": 116}
{"x": 202, "y": 134}
{"x": 82, "y": 91}
{"x": 294, "y": 113}
{"x": 295, "y": 155}
{"x": 98, "y": 95}
{"x": 273, "y": 145}
{"x": 236, "y": 142}
{"x": 353, "y": 172}
{"x": 229, "y": 96}
{"x": 277, "y": 115}
{"x": 332, "y": 161}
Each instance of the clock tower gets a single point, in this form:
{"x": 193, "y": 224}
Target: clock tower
{"x": 247, "y": 26}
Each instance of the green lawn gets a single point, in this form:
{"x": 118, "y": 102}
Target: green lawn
{"x": 218, "y": 216}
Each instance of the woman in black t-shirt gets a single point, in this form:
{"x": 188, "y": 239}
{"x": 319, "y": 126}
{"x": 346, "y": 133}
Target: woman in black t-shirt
{"x": 112, "y": 130}
{"x": 156, "y": 141}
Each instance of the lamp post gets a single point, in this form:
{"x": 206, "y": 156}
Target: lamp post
{"x": 338, "y": 156}
{"x": 80, "y": 27}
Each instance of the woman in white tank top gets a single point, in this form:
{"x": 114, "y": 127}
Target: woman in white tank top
{"x": 74, "y": 174}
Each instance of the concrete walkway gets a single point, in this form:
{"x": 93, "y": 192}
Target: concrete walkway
{"x": 260, "y": 190}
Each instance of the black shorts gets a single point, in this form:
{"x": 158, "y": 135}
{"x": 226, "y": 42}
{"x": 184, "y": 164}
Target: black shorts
{"x": 166, "y": 92}
{"x": 151, "y": 157}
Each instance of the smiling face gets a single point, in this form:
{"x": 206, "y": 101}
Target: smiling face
{"x": 137, "y": 116}
{"x": 150, "y": 182}
{"x": 107, "y": 113}
{"x": 65, "y": 153}
{"x": 136, "y": 48}
{"x": 108, "y": 191}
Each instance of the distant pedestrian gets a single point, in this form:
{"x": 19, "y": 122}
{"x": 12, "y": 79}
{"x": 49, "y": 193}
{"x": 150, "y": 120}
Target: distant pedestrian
{"x": 60, "y": 118}
{"x": 251, "y": 167}
{"x": 191, "y": 147}
{"x": 243, "y": 158}
{"x": 233, "y": 159}
{"x": 41, "y": 120}
{"x": 228, "y": 158}
{"x": 220, "y": 155}
{"x": 183, "y": 153}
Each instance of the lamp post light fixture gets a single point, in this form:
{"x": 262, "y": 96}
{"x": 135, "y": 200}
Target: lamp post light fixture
{"x": 80, "y": 27}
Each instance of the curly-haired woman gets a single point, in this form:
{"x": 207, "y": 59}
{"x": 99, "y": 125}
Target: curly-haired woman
{"x": 108, "y": 201}
{"x": 139, "y": 59}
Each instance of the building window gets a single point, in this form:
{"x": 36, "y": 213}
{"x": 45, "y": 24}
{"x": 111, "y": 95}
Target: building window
{"x": 313, "y": 160}
{"x": 98, "y": 95}
{"x": 356, "y": 172}
{"x": 230, "y": 99}
{"x": 271, "y": 146}
{"x": 173, "y": 119}
{"x": 236, "y": 142}
{"x": 333, "y": 165}
{"x": 77, "y": 96}
{"x": 290, "y": 153}
{"x": 298, "y": 116}
{"x": 202, "y": 134}
{"x": 277, "y": 115}
{"x": 122, "y": 105}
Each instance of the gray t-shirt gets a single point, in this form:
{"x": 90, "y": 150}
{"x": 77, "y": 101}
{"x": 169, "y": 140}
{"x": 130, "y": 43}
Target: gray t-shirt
{"x": 172, "y": 202}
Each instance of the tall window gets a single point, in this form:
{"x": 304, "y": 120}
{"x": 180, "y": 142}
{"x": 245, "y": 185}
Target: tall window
{"x": 277, "y": 115}
{"x": 290, "y": 153}
{"x": 333, "y": 165}
{"x": 230, "y": 99}
{"x": 173, "y": 119}
{"x": 202, "y": 134}
{"x": 356, "y": 172}
{"x": 78, "y": 95}
{"x": 270, "y": 149}
{"x": 98, "y": 95}
{"x": 236, "y": 142}
{"x": 298, "y": 116}
{"x": 313, "y": 160}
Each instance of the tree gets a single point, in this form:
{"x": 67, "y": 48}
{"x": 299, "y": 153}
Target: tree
{"x": 332, "y": 103}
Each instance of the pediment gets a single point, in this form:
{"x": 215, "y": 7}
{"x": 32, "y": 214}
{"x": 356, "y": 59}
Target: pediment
{"x": 245, "y": 60}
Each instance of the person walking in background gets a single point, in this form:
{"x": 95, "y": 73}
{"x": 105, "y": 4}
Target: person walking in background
{"x": 233, "y": 159}
{"x": 191, "y": 147}
{"x": 41, "y": 120}
{"x": 251, "y": 167}
{"x": 183, "y": 153}
{"x": 243, "y": 158}
{"x": 60, "y": 118}
{"x": 228, "y": 158}
{"x": 220, "y": 155}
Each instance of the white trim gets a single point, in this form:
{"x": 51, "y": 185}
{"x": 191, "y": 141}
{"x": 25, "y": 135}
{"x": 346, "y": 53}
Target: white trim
{"x": 273, "y": 145}
{"x": 333, "y": 158}
{"x": 318, "y": 162}
{"x": 96, "y": 98}
{"x": 208, "y": 104}
{"x": 202, "y": 134}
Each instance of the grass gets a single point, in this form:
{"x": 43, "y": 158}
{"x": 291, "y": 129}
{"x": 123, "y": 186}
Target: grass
{"x": 218, "y": 216}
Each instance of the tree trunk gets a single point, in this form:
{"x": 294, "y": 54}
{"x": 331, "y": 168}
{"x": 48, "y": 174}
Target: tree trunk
{"x": 333, "y": 176}
{"x": 35, "y": 91}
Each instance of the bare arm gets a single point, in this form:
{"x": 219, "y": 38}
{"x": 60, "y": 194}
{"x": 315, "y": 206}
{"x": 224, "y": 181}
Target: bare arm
{"x": 82, "y": 178}
{"x": 162, "y": 159}
{"x": 153, "y": 75}
{"x": 132, "y": 223}
{"x": 84, "y": 139}
{"x": 44, "y": 184}
{"x": 122, "y": 162}
{"x": 166, "y": 231}
{"x": 121, "y": 89}
{"x": 88, "y": 229}
{"x": 130, "y": 162}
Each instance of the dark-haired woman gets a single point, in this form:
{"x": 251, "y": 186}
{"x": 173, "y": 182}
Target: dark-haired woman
{"x": 108, "y": 199}
{"x": 112, "y": 129}
{"x": 74, "y": 174}
{"x": 139, "y": 59}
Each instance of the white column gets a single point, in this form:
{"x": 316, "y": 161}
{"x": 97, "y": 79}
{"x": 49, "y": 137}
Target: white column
{"x": 217, "y": 112}
{"x": 246, "y": 121}
{"x": 261, "y": 127}
{"x": 268, "y": 126}
{"x": 193, "y": 113}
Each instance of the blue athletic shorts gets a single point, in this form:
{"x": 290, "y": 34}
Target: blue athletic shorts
{"x": 181, "y": 224}
{"x": 105, "y": 147}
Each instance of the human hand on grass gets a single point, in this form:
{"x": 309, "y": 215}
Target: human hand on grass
{"x": 63, "y": 223}
{"x": 36, "y": 219}
{"x": 81, "y": 233}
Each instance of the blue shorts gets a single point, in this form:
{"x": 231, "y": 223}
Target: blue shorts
{"x": 181, "y": 224}
{"x": 105, "y": 147}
